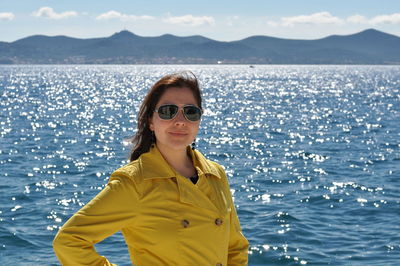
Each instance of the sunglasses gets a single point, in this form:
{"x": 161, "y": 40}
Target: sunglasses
{"x": 169, "y": 111}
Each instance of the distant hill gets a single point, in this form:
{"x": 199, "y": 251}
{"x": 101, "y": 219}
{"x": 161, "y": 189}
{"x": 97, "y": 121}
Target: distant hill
{"x": 366, "y": 47}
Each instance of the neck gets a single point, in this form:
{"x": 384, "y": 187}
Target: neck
{"x": 178, "y": 160}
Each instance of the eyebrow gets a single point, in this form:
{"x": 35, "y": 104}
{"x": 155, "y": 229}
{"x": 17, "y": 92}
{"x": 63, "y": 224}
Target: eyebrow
{"x": 185, "y": 104}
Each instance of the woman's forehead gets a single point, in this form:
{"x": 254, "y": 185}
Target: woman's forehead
{"x": 178, "y": 96}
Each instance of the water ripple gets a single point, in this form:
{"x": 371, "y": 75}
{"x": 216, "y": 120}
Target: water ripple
{"x": 312, "y": 154}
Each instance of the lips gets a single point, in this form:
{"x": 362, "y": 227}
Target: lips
{"x": 176, "y": 133}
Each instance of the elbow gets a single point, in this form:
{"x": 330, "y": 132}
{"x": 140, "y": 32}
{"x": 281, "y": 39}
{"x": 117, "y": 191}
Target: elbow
{"x": 60, "y": 242}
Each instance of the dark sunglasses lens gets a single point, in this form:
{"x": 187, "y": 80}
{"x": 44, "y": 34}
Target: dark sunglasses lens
{"x": 167, "y": 111}
{"x": 192, "y": 113}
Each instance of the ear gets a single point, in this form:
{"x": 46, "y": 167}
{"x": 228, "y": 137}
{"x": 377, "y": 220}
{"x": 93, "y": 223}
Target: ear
{"x": 151, "y": 125}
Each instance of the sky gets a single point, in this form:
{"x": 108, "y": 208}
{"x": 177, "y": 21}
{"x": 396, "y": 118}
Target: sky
{"x": 222, "y": 20}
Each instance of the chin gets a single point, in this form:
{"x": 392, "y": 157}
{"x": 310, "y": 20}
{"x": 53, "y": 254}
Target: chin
{"x": 175, "y": 145}
{"x": 178, "y": 146}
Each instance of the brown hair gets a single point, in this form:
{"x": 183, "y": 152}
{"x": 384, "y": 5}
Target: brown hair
{"x": 144, "y": 138}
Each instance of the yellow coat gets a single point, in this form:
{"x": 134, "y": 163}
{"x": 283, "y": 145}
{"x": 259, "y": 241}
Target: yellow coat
{"x": 164, "y": 217}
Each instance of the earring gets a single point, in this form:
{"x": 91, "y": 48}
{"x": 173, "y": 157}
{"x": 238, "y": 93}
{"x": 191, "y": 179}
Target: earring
{"x": 194, "y": 144}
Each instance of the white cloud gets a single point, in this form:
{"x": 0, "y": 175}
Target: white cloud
{"x": 190, "y": 20}
{"x": 7, "y": 16}
{"x": 48, "y": 12}
{"x": 316, "y": 18}
{"x": 231, "y": 20}
{"x": 321, "y": 18}
{"x": 272, "y": 23}
{"x": 357, "y": 19}
{"x": 117, "y": 15}
{"x": 386, "y": 19}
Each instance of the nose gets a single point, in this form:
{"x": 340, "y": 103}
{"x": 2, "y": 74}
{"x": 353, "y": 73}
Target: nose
{"x": 180, "y": 118}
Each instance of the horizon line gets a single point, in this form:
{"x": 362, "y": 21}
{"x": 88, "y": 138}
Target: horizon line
{"x": 60, "y": 35}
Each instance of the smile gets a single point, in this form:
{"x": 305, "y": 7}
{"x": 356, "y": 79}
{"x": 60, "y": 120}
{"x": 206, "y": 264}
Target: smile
{"x": 178, "y": 133}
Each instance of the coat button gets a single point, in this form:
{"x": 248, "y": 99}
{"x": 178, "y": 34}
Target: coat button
{"x": 185, "y": 223}
{"x": 218, "y": 221}
{"x": 218, "y": 264}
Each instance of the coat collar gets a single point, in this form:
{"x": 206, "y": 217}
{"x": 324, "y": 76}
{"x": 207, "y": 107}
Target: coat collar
{"x": 153, "y": 164}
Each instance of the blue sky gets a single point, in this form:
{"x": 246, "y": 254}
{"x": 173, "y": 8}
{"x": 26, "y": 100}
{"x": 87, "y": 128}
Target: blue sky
{"x": 220, "y": 20}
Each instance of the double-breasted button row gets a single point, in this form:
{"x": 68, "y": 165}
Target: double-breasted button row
{"x": 185, "y": 223}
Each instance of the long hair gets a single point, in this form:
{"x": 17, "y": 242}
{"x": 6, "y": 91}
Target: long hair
{"x": 144, "y": 137}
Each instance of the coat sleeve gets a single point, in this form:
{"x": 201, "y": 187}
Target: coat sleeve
{"x": 112, "y": 209}
{"x": 238, "y": 244}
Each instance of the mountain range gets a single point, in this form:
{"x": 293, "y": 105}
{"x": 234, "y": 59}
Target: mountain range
{"x": 367, "y": 47}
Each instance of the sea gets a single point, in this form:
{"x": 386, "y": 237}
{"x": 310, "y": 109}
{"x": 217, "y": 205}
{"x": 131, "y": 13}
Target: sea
{"x": 312, "y": 153}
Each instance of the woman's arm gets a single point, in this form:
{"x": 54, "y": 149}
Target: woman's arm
{"x": 238, "y": 244}
{"x": 112, "y": 209}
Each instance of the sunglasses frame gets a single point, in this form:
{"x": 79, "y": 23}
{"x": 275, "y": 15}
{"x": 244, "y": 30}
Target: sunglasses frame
{"x": 183, "y": 111}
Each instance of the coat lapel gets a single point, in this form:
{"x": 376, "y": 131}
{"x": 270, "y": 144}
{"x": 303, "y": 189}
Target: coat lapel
{"x": 154, "y": 166}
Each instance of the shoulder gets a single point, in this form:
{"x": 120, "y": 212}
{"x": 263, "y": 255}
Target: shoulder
{"x": 218, "y": 170}
{"x": 127, "y": 173}
{"x": 211, "y": 166}
{"x": 217, "y": 166}
{"x": 126, "y": 179}
{"x": 204, "y": 163}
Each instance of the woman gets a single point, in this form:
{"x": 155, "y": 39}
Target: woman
{"x": 172, "y": 205}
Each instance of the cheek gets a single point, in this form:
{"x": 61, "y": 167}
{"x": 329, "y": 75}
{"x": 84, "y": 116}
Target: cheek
{"x": 196, "y": 128}
{"x": 158, "y": 125}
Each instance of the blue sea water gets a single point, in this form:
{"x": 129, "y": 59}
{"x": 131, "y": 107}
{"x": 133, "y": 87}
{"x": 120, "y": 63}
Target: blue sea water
{"x": 312, "y": 153}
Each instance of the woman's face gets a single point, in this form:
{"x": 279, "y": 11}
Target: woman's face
{"x": 177, "y": 133}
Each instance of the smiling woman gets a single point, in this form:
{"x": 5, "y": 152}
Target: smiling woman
{"x": 173, "y": 206}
